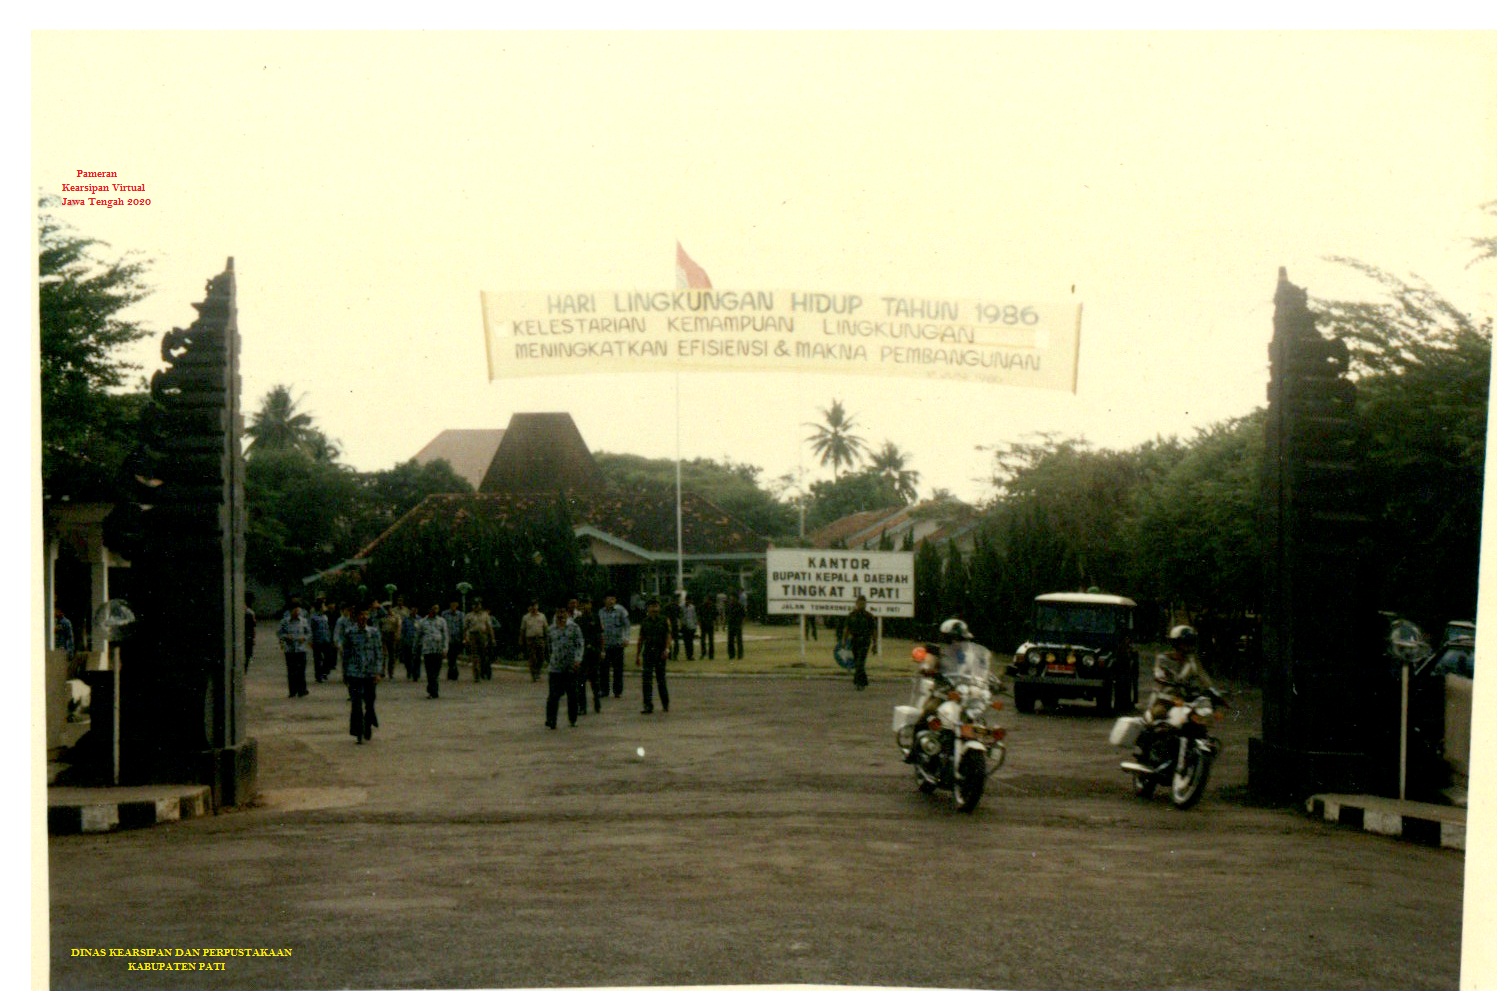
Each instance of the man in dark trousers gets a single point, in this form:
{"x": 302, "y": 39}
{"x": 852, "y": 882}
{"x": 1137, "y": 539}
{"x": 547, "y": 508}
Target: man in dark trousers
{"x": 860, "y": 631}
{"x": 362, "y": 662}
{"x": 708, "y": 615}
{"x": 564, "y": 641}
{"x": 585, "y": 681}
{"x": 651, "y": 649}
{"x": 734, "y": 625}
{"x": 615, "y": 622}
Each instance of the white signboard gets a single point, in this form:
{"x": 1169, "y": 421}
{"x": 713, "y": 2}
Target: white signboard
{"x": 1024, "y": 342}
{"x": 827, "y": 582}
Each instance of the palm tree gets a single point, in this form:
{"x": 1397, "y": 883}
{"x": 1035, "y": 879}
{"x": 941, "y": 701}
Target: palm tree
{"x": 278, "y": 425}
{"x": 833, "y": 442}
{"x": 891, "y": 463}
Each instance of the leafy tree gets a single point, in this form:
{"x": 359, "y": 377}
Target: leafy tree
{"x": 1423, "y": 370}
{"x": 303, "y": 515}
{"x": 734, "y": 488}
{"x": 834, "y": 440}
{"x": 892, "y": 464}
{"x": 87, "y": 430}
{"x": 851, "y": 493}
{"x": 392, "y": 493}
{"x": 279, "y": 425}
{"x": 928, "y": 602}
{"x": 1193, "y": 535}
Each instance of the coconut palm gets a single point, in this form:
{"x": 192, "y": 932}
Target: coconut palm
{"x": 891, "y": 463}
{"x": 279, "y": 425}
{"x": 834, "y": 442}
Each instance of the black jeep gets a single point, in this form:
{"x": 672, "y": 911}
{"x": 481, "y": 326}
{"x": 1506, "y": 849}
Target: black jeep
{"x": 1080, "y": 648}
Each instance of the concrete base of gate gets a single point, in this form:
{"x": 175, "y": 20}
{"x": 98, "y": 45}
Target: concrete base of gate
{"x": 79, "y": 810}
{"x": 1424, "y": 823}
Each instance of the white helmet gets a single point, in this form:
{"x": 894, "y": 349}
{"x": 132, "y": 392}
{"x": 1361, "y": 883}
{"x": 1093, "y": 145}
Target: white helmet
{"x": 954, "y": 628}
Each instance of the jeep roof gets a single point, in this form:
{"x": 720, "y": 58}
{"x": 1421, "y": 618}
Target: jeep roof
{"x": 1084, "y": 598}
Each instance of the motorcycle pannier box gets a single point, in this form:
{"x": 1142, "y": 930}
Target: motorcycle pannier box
{"x": 904, "y": 716}
{"x": 1125, "y": 731}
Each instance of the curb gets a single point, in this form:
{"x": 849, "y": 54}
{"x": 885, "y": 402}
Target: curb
{"x": 97, "y": 811}
{"x": 1421, "y": 823}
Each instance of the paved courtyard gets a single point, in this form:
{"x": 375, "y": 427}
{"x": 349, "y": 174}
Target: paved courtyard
{"x": 769, "y": 835}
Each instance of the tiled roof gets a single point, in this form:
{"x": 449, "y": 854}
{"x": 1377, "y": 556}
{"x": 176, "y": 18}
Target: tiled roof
{"x": 645, "y": 519}
{"x": 838, "y": 533}
{"x": 864, "y": 530}
{"x": 468, "y": 451}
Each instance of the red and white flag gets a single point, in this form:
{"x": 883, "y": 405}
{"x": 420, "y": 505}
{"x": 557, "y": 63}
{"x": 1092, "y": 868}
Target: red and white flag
{"x": 690, "y": 274}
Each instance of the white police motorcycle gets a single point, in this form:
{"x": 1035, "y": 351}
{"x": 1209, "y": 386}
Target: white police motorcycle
{"x": 944, "y": 730}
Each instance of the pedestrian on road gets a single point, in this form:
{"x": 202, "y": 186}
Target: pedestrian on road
{"x": 294, "y": 636}
{"x": 734, "y": 625}
{"x": 361, "y": 664}
{"x": 250, "y": 624}
{"x": 585, "y": 681}
{"x": 455, "y": 629}
{"x": 564, "y": 639}
{"x": 479, "y": 638}
{"x": 409, "y": 639}
{"x": 321, "y": 641}
{"x": 708, "y": 614}
{"x": 494, "y": 651}
{"x": 657, "y": 639}
{"x": 62, "y": 631}
{"x": 433, "y": 639}
{"x": 689, "y": 625}
{"x": 532, "y": 638}
{"x": 391, "y": 622}
{"x": 859, "y": 629}
{"x": 615, "y": 621}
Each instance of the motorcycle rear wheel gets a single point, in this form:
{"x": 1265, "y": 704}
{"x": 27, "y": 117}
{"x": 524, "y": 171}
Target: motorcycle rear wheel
{"x": 1186, "y": 785}
{"x": 970, "y": 780}
{"x": 1144, "y": 786}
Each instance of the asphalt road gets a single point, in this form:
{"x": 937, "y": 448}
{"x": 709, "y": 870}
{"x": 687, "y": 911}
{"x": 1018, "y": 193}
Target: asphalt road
{"x": 770, "y": 835}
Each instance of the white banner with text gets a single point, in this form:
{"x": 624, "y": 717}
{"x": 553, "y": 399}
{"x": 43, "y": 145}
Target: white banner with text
{"x": 1025, "y": 343}
{"x": 800, "y": 581}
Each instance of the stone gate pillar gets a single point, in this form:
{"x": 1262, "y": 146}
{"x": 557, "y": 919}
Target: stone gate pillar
{"x": 1317, "y": 616}
{"x": 183, "y": 698}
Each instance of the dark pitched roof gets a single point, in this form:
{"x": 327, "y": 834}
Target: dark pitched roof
{"x": 927, "y": 521}
{"x": 644, "y": 519}
{"x": 542, "y": 452}
{"x": 468, "y": 451}
{"x": 837, "y": 533}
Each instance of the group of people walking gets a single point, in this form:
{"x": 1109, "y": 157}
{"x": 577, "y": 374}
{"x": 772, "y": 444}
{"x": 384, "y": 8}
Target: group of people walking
{"x": 580, "y": 649}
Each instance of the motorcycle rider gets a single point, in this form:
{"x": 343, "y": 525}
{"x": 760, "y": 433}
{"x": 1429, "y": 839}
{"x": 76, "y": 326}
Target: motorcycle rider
{"x": 948, "y": 654}
{"x": 1178, "y": 676}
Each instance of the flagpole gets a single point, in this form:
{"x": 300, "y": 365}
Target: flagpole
{"x": 677, "y": 398}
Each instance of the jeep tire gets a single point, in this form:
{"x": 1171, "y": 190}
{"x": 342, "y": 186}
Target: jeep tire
{"x": 1023, "y": 698}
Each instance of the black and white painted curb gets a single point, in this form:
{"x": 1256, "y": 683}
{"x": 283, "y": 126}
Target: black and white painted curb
{"x": 1422, "y": 823}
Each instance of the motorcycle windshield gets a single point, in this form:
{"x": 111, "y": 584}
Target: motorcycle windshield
{"x": 968, "y": 663}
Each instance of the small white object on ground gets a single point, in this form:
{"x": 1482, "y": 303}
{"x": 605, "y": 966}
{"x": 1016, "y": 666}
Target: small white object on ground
{"x": 639, "y": 751}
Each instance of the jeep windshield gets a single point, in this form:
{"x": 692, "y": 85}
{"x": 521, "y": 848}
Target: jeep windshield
{"x": 1095, "y": 625}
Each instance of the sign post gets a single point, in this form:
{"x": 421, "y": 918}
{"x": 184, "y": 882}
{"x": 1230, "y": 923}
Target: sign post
{"x": 809, "y": 582}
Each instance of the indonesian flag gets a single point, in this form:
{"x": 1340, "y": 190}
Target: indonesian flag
{"x": 690, "y": 274}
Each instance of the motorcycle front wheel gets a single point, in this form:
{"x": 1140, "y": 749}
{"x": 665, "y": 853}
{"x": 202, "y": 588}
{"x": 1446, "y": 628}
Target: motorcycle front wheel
{"x": 1187, "y": 783}
{"x": 925, "y": 783}
{"x": 970, "y": 780}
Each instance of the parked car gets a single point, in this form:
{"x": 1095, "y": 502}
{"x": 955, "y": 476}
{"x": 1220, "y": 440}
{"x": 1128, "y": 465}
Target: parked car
{"x": 1080, "y": 647}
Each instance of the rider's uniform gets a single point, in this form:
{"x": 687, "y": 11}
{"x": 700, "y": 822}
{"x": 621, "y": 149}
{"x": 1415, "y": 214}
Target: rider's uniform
{"x": 1175, "y": 677}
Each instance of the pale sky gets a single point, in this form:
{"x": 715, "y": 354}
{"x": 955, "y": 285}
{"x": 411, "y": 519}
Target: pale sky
{"x": 370, "y": 185}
